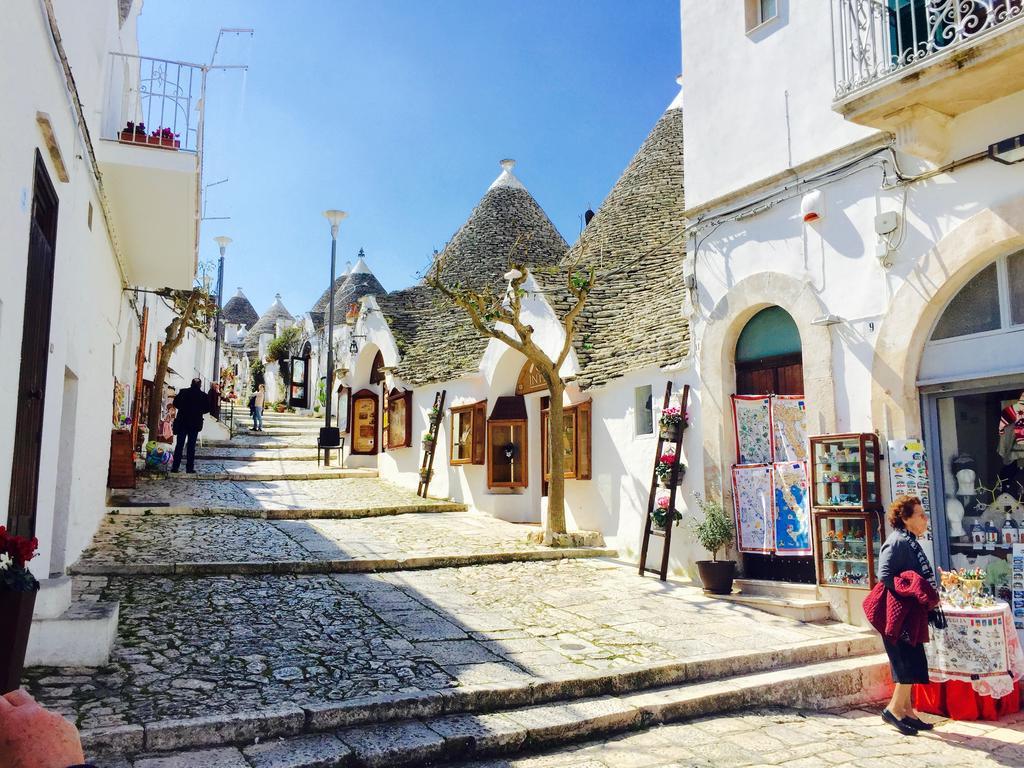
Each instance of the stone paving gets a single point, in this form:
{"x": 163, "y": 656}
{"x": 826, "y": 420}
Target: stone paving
{"x": 256, "y": 454}
{"x": 256, "y": 495}
{"x": 854, "y": 738}
{"x": 209, "y": 469}
{"x": 127, "y": 542}
{"x": 191, "y": 646}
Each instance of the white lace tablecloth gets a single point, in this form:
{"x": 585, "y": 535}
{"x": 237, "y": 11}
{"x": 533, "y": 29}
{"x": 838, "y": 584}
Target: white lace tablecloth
{"x": 980, "y": 646}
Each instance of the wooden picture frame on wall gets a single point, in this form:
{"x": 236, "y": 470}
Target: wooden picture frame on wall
{"x": 365, "y": 414}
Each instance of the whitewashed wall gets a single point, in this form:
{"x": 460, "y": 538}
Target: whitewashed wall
{"x": 93, "y": 328}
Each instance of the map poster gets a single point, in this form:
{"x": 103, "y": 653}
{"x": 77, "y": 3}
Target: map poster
{"x": 792, "y": 509}
{"x": 1018, "y": 589}
{"x": 753, "y": 496}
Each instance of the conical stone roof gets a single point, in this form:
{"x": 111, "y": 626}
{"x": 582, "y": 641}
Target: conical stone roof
{"x": 266, "y": 324}
{"x": 239, "y": 311}
{"x": 360, "y": 282}
{"x": 479, "y": 253}
{"x": 632, "y": 319}
{"x": 321, "y": 303}
{"x": 437, "y": 340}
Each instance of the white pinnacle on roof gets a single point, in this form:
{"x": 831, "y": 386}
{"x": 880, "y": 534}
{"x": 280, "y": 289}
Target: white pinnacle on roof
{"x": 677, "y": 102}
{"x": 361, "y": 267}
{"x": 506, "y": 178}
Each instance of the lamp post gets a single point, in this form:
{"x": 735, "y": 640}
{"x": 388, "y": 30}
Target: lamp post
{"x": 223, "y": 242}
{"x": 328, "y": 438}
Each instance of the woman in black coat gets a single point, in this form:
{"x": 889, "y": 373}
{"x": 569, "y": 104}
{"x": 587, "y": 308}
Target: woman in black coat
{"x": 902, "y": 552}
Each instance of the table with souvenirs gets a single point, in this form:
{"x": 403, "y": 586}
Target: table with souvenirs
{"x": 976, "y": 662}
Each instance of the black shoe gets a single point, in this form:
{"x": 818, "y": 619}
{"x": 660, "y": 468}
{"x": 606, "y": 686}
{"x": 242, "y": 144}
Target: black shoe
{"x": 917, "y": 723}
{"x": 175, "y": 471}
{"x": 900, "y": 725}
{"x": 190, "y": 471}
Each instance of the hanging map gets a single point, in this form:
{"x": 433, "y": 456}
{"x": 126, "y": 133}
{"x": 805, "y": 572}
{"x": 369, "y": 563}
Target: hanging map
{"x": 792, "y": 509}
{"x": 908, "y": 474}
{"x": 789, "y": 428}
{"x": 752, "y": 420}
{"x": 753, "y": 502}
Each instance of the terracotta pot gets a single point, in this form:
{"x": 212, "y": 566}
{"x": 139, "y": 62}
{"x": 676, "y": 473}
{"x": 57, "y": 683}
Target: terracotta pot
{"x": 717, "y": 575}
{"x": 670, "y": 432}
{"x": 16, "y": 614}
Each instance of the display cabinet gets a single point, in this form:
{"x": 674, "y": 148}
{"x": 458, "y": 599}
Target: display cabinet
{"x": 845, "y": 472}
{"x": 847, "y": 544}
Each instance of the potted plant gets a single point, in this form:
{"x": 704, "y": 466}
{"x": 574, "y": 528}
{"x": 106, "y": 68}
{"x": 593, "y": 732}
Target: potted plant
{"x": 426, "y": 438}
{"x": 661, "y": 514}
{"x": 134, "y": 133}
{"x": 164, "y": 137}
{"x": 663, "y": 469}
{"x": 432, "y": 415}
{"x": 713, "y": 532}
{"x": 426, "y": 474}
{"x": 17, "y": 600}
{"x": 672, "y": 420}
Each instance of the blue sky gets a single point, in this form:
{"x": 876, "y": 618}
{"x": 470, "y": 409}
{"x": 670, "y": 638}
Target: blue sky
{"x": 398, "y": 112}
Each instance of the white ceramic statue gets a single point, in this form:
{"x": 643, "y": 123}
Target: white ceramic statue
{"x": 955, "y": 516}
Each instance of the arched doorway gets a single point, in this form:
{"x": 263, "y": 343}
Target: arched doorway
{"x": 971, "y": 381}
{"x": 769, "y": 361}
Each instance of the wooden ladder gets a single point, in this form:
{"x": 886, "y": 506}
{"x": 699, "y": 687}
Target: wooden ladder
{"x": 429, "y": 448}
{"x": 649, "y": 530}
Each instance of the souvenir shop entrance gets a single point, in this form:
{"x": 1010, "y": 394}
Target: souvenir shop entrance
{"x": 972, "y": 397}
{"x": 769, "y": 362}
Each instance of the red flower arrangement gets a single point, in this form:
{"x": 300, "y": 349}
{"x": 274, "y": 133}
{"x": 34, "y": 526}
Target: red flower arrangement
{"x": 15, "y": 552}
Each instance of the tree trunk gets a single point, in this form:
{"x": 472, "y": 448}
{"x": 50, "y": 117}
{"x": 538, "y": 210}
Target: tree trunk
{"x": 157, "y": 399}
{"x": 556, "y": 439}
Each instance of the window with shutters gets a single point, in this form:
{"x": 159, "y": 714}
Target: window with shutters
{"x": 576, "y": 441}
{"x": 468, "y": 433}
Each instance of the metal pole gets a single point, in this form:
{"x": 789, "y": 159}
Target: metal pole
{"x": 220, "y": 303}
{"x": 330, "y": 341}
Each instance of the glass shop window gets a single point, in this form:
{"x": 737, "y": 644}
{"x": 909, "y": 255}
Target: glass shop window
{"x": 468, "y": 433}
{"x": 643, "y": 411}
{"x": 981, "y": 439}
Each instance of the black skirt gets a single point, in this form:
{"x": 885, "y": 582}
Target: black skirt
{"x": 908, "y": 662}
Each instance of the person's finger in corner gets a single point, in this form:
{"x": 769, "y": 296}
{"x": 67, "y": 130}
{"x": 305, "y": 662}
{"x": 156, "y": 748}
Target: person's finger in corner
{"x": 19, "y": 697}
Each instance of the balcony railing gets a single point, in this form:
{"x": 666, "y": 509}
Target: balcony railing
{"x": 878, "y": 39}
{"x": 164, "y": 97}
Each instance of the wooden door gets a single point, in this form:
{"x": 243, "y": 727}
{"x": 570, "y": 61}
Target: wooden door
{"x": 364, "y": 422}
{"x": 35, "y": 348}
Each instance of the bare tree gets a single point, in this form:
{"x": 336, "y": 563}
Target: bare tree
{"x": 193, "y": 310}
{"x": 497, "y": 315}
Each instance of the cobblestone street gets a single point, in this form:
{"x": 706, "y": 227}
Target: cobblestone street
{"x": 848, "y": 738}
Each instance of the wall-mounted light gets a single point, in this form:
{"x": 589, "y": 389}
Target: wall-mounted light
{"x": 812, "y": 206}
{"x": 1008, "y": 151}
{"x": 827, "y": 320}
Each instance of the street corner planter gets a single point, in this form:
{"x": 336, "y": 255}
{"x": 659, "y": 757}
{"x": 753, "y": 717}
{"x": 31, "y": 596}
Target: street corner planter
{"x": 16, "y": 616}
{"x": 717, "y": 575}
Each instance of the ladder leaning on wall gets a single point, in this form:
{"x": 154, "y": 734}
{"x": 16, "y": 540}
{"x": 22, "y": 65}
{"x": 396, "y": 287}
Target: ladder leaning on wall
{"x": 649, "y": 530}
{"x": 429, "y": 446}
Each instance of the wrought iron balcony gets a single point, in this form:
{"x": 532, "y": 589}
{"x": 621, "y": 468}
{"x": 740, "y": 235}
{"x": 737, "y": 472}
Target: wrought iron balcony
{"x": 877, "y": 40}
{"x": 154, "y": 102}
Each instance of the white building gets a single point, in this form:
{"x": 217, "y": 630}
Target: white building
{"x": 856, "y": 236}
{"x": 92, "y": 211}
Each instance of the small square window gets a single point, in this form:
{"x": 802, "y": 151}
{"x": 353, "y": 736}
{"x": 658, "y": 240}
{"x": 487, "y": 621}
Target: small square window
{"x": 757, "y": 12}
{"x": 643, "y": 412}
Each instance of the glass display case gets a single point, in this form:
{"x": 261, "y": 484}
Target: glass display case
{"x": 844, "y": 472}
{"x": 847, "y": 546}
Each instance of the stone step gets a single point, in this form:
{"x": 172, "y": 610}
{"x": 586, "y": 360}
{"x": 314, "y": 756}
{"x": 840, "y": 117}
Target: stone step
{"x": 256, "y": 454}
{"x": 793, "y": 608}
{"x": 783, "y": 589}
{"x": 283, "y": 431}
{"x": 476, "y": 721}
{"x": 242, "y": 470}
{"x": 81, "y": 636}
{"x": 305, "y": 513}
{"x": 260, "y": 440}
{"x": 329, "y": 565}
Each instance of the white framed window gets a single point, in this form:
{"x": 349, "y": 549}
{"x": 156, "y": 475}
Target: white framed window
{"x": 643, "y": 410}
{"x": 991, "y": 301}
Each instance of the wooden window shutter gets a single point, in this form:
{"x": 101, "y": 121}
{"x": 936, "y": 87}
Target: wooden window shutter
{"x": 480, "y": 433}
{"x": 584, "y": 440}
{"x": 385, "y": 432}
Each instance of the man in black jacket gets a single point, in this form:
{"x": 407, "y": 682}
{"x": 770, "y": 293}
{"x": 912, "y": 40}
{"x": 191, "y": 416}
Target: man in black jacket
{"x": 191, "y": 403}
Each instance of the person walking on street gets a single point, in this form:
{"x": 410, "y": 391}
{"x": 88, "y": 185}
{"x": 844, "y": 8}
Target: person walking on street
{"x": 214, "y": 395}
{"x": 191, "y": 403}
{"x": 257, "y": 409}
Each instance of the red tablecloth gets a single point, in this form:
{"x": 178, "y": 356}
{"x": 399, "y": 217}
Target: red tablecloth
{"x": 958, "y": 700}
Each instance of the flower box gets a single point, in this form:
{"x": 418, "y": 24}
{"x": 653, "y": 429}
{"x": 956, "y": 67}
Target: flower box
{"x": 162, "y": 141}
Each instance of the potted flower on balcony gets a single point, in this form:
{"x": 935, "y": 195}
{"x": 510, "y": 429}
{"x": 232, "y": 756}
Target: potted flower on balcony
{"x": 672, "y": 420}
{"x": 663, "y": 469}
{"x": 662, "y": 514}
{"x": 134, "y": 133}
{"x": 17, "y": 599}
{"x": 713, "y": 533}
{"x": 165, "y": 138}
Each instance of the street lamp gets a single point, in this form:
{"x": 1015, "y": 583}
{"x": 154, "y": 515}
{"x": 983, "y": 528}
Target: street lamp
{"x": 223, "y": 242}
{"x": 330, "y": 436}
